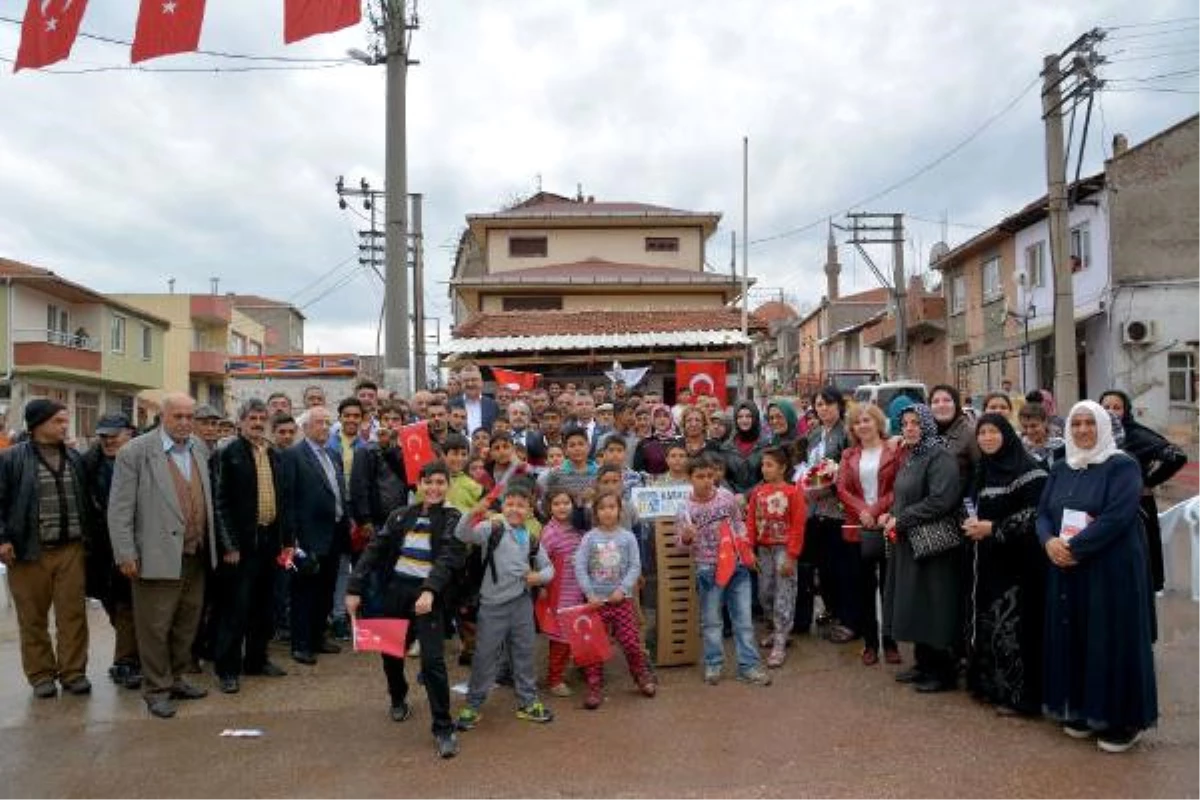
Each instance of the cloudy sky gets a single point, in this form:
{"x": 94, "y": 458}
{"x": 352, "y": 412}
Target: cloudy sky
{"x": 122, "y": 179}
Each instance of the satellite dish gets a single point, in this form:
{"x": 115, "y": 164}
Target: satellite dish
{"x": 938, "y": 252}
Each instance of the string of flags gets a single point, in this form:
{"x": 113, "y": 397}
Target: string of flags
{"x": 164, "y": 27}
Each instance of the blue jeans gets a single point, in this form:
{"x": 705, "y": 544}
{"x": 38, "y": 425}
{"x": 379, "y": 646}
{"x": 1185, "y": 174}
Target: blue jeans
{"x": 736, "y": 597}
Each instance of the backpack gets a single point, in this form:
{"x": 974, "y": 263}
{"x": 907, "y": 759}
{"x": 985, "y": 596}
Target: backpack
{"x": 489, "y": 561}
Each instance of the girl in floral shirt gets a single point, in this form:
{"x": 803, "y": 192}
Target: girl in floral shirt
{"x": 775, "y": 514}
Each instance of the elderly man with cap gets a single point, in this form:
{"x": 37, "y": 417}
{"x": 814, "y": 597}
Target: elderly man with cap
{"x": 208, "y": 426}
{"x": 45, "y": 523}
{"x": 105, "y": 581}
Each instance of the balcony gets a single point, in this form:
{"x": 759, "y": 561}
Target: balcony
{"x": 53, "y": 351}
{"x": 210, "y": 309}
{"x": 925, "y": 314}
{"x": 207, "y": 362}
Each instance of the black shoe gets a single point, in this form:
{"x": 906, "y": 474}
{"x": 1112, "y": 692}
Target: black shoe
{"x": 119, "y": 673}
{"x": 303, "y": 657}
{"x": 45, "y": 689}
{"x": 1119, "y": 740}
{"x": 229, "y": 684}
{"x": 465, "y": 659}
{"x": 268, "y": 670}
{"x": 186, "y": 691}
{"x": 400, "y": 712}
{"x": 329, "y": 648}
{"x": 931, "y": 685}
{"x": 914, "y": 675}
{"x": 447, "y": 744}
{"x": 133, "y": 678}
{"x": 78, "y": 685}
{"x": 161, "y": 707}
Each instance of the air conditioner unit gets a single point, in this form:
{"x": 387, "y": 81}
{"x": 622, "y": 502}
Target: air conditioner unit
{"x": 1139, "y": 332}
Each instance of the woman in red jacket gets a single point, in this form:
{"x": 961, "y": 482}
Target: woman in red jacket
{"x": 864, "y": 485}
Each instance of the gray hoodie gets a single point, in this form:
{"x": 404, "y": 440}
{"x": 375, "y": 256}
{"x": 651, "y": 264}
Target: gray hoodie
{"x": 511, "y": 559}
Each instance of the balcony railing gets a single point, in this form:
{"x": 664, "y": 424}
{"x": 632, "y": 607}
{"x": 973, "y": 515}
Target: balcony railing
{"x": 61, "y": 338}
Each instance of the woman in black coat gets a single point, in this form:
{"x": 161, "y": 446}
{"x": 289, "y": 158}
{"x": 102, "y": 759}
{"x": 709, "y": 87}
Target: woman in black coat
{"x": 925, "y": 595}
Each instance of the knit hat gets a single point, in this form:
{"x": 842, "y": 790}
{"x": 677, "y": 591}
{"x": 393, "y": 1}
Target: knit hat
{"x": 39, "y": 410}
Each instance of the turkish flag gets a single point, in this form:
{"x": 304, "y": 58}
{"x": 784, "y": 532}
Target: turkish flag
{"x": 304, "y": 18}
{"x": 586, "y": 634}
{"x": 381, "y": 636}
{"x": 165, "y": 27}
{"x": 417, "y": 448}
{"x": 702, "y": 377}
{"x": 48, "y": 32}
{"x": 519, "y": 381}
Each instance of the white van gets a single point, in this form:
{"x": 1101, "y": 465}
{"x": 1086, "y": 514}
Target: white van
{"x": 882, "y": 394}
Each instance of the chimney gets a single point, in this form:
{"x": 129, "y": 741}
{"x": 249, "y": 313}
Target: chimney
{"x": 832, "y": 267}
{"x": 1119, "y": 145}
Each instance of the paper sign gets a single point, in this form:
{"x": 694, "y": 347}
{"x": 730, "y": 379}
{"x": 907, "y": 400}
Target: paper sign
{"x": 381, "y": 635}
{"x": 1073, "y": 522}
{"x": 660, "y": 502}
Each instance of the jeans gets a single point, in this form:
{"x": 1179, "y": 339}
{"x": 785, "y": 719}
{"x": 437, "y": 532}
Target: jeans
{"x": 736, "y": 598}
{"x": 426, "y": 629}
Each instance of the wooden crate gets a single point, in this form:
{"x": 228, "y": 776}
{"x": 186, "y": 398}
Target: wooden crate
{"x": 678, "y": 612}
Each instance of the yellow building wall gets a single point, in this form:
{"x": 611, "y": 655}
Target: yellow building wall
{"x": 129, "y": 367}
{"x": 177, "y": 343}
{"x": 618, "y": 245}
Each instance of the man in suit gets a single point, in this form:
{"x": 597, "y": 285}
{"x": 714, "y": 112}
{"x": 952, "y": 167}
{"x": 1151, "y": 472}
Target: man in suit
{"x": 524, "y": 434}
{"x": 481, "y": 410}
{"x": 163, "y": 532}
{"x": 248, "y": 503}
{"x": 318, "y": 526}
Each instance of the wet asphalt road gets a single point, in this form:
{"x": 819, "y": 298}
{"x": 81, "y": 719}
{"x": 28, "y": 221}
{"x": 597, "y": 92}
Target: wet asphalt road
{"x": 828, "y": 727}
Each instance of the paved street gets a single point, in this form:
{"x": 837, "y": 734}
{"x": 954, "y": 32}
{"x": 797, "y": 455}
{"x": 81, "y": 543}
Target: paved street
{"x": 827, "y": 727}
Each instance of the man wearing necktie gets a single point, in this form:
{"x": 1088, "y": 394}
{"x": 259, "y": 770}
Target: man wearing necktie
{"x": 318, "y": 526}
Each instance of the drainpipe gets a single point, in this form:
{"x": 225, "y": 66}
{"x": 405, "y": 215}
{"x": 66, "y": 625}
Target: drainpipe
{"x": 9, "y": 296}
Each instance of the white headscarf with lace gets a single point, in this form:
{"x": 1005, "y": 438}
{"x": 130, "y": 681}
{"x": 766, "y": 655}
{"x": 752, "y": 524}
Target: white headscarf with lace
{"x": 1105, "y": 446}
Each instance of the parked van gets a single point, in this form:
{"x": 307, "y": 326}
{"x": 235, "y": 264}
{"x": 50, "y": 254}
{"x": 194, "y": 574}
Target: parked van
{"x": 882, "y": 394}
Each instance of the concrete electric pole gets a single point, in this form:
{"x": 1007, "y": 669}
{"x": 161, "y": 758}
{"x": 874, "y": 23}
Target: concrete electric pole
{"x": 898, "y": 285}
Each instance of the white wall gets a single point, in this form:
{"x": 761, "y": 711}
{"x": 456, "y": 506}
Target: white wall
{"x": 29, "y": 313}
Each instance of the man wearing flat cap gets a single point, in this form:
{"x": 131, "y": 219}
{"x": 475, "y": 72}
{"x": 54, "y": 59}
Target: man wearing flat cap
{"x": 45, "y": 525}
{"x": 208, "y": 426}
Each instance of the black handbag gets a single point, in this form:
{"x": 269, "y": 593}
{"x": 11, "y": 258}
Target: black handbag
{"x": 931, "y": 538}
{"x": 871, "y": 543}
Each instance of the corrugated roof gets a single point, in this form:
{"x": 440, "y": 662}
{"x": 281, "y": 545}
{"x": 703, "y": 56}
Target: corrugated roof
{"x": 594, "y": 341}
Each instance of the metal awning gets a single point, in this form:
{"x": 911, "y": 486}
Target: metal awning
{"x": 581, "y": 341}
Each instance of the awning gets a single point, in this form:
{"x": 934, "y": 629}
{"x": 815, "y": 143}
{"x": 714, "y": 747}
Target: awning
{"x": 578, "y": 341}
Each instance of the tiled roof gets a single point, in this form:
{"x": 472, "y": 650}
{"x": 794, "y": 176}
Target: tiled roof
{"x": 524, "y": 323}
{"x": 775, "y": 310}
{"x": 597, "y": 270}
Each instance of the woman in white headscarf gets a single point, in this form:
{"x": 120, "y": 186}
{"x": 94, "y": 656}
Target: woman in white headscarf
{"x": 1099, "y": 666}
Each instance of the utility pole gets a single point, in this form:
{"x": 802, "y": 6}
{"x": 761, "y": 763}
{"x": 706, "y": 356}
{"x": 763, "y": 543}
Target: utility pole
{"x": 370, "y": 251}
{"x": 897, "y": 285}
{"x": 1083, "y": 60}
{"x": 419, "y": 371}
{"x": 743, "y": 388}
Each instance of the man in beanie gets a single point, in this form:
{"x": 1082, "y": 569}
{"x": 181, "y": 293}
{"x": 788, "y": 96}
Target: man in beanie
{"x": 45, "y": 524}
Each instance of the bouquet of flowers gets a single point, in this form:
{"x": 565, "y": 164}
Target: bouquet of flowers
{"x": 821, "y": 475}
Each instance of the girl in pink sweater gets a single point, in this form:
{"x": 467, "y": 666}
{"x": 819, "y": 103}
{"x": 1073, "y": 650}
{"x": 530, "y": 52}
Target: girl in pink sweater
{"x": 560, "y": 541}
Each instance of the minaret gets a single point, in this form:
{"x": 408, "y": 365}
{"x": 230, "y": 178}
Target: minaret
{"x": 832, "y": 267}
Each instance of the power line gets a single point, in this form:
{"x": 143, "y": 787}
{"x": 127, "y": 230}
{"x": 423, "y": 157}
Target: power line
{"x": 1151, "y": 24}
{"x": 1163, "y": 90}
{"x": 327, "y": 273}
{"x": 910, "y": 178}
{"x": 214, "y": 53}
{"x": 341, "y": 283}
{"x": 1183, "y": 73}
{"x": 1151, "y": 57}
{"x": 1191, "y": 29}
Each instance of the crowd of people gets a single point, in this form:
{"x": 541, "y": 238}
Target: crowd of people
{"x": 1027, "y": 562}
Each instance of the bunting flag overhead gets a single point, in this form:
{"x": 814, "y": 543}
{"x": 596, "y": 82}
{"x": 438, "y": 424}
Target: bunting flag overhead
{"x": 304, "y": 18}
{"x": 165, "y": 27}
{"x": 48, "y": 32}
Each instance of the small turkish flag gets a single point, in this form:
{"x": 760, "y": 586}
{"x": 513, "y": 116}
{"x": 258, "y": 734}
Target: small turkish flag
{"x": 417, "y": 448}
{"x": 389, "y": 636}
{"x": 304, "y": 18}
{"x": 702, "y": 377}
{"x": 48, "y": 32}
{"x": 165, "y": 27}
{"x": 517, "y": 381}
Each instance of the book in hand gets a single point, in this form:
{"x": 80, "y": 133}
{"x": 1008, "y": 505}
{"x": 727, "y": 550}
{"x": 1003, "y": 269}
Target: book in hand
{"x": 1073, "y": 522}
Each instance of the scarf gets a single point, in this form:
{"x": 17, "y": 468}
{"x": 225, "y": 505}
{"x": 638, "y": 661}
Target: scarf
{"x": 930, "y": 438}
{"x": 958, "y": 408}
{"x": 1105, "y": 446}
{"x": 789, "y": 414}
{"x": 751, "y": 437}
{"x": 1009, "y": 480}
{"x": 667, "y": 435}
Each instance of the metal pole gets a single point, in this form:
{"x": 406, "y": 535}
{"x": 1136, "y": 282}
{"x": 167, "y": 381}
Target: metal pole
{"x": 745, "y": 393}
{"x": 1066, "y": 382}
{"x": 420, "y": 376}
{"x": 396, "y": 368}
{"x": 900, "y": 292}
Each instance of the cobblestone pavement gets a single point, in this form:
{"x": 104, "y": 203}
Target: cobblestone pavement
{"x": 828, "y": 727}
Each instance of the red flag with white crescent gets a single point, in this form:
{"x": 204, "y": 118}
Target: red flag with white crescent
{"x": 165, "y": 27}
{"x": 702, "y": 377}
{"x": 381, "y": 635}
{"x": 517, "y": 381}
{"x": 417, "y": 448}
{"x": 304, "y": 18}
{"x": 48, "y": 32}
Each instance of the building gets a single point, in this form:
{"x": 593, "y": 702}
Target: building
{"x": 206, "y": 330}
{"x": 926, "y": 340}
{"x": 774, "y": 348}
{"x": 565, "y": 287}
{"x": 261, "y": 376}
{"x": 72, "y": 344}
{"x": 283, "y": 324}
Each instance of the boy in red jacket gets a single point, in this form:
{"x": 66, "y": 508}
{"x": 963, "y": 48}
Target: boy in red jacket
{"x": 775, "y": 514}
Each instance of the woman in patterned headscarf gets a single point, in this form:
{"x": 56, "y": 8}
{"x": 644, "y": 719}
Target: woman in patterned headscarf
{"x": 924, "y": 595}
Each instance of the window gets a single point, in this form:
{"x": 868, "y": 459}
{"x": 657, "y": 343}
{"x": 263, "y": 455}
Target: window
{"x": 531, "y": 304}
{"x": 255, "y": 348}
{"x": 57, "y": 325}
{"x": 1035, "y": 264}
{"x": 147, "y": 342}
{"x": 958, "y": 294}
{"x": 237, "y": 344}
{"x": 49, "y": 392}
{"x": 118, "y": 334}
{"x": 1181, "y": 377}
{"x": 216, "y": 396}
{"x": 1081, "y": 247}
{"x": 527, "y": 247}
{"x": 993, "y": 289}
{"x": 87, "y": 413}
{"x": 662, "y": 244}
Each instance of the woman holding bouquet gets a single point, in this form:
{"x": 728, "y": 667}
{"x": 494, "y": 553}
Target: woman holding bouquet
{"x": 923, "y": 580}
{"x": 835, "y": 561}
